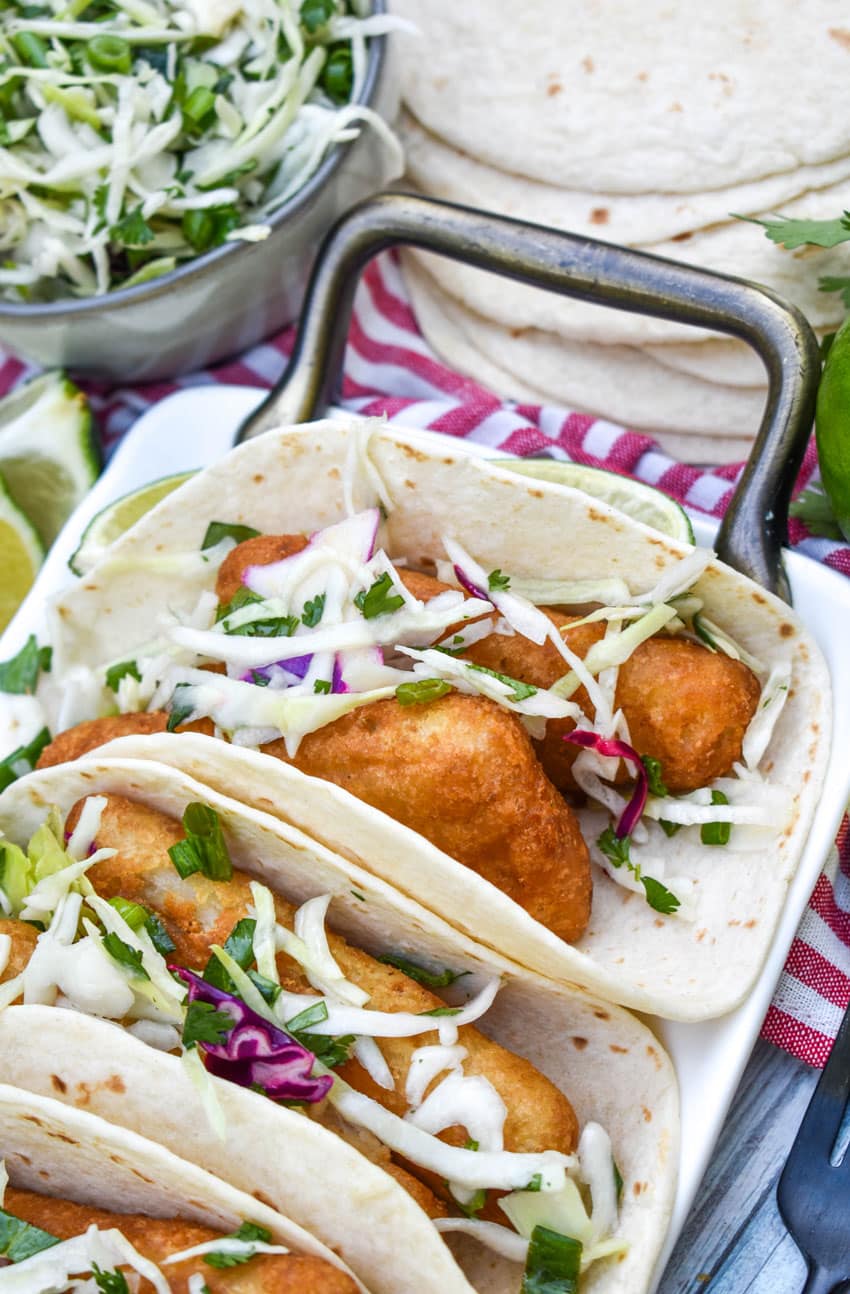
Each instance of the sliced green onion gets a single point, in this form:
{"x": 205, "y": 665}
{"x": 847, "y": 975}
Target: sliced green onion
{"x": 553, "y": 1264}
{"x": 204, "y": 849}
{"x": 30, "y": 49}
{"x": 716, "y": 833}
{"x": 109, "y": 54}
{"x": 198, "y": 228}
{"x": 422, "y": 691}
{"x": 337, "y": 77}
{"x": 199, "y": 103}
{"x": 133, "y": 913}
{"x": 305, "y": 1019}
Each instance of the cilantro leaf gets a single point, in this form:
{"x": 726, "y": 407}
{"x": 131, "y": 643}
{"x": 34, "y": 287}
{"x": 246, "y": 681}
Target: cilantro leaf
{"x": 218, "y": 530}
{"x": 497, "y": 582}
{"x": 115, "y": 673}
{"x": 239, "y": 944}
{"x": 178, "y": 711}
{"x": 159, "y": 936}
{"x": 20, "y": 1240}
{"x": 109, "y": 1282}
{"x": 716, "y": 833}
{"x": 813, "y": 508}
{"x": 248, "y": 1232}
{"x": 20, "y": 674}
{"x": 615, "y": 847}
{"x": 204, "y": 1023}
{"x": 329, "y": 1051}
{"x": 313, "y": 611}
{"x": 322, "y": 685}
{"x": 521, "y": 691}
{"x": 431, "y": 979}
{"x": 121, "y": 952}
{"x": 836, "y": 283}
{"x": 658, "y": 896}
{"x": 132, "y": 230}
{"x": 23, "y": 760}
{"x": 204, "y": 849}
{"x": 791, "y": 234}
{"x": 379, "y": 600}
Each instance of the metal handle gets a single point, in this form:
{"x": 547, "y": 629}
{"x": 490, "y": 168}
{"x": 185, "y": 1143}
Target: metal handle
{"x": 755, "y": 526}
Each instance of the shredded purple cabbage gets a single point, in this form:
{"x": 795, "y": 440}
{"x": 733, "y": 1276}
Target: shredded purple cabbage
{"x": 612, "y": 747}
{"x": 338, "y": 683}
{"x": 466, "y": 583}
{"x": 256, "y": 1053}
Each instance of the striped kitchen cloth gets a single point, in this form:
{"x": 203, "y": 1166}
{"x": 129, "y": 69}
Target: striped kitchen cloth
{"x": 391, "y": 370}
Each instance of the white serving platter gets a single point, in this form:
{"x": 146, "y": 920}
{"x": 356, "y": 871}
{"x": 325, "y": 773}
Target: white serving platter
{"x": 196, "y": 427}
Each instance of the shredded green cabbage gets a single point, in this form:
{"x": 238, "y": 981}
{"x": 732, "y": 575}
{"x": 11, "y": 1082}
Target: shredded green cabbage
{"x": 134, "y": 136}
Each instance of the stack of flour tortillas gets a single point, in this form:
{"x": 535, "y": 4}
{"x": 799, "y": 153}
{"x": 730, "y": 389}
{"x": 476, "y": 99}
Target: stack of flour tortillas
{"x": 644, "y": 124}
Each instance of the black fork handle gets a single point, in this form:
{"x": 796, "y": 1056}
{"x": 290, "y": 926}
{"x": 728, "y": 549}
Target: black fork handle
{"x": 755, "y": 526}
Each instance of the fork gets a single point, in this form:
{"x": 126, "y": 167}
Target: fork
{"x": 814, "y": 1190}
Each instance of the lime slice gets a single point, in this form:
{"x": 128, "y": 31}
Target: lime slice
{"x": 638, "y": 501}
{"x": 111, "y": 522}
{"x": 21, "y": 554}
{"x": 48, "y": 450}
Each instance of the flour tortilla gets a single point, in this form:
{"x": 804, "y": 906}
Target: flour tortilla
{"x": 292, "y": 479}
{"x": 57, "y": 1149}
{"x": 622, "y": 383}
{"x": 613, "y": 97}
{"x": 736, "y": 247}
{"x": 637, "y": 219}
{"x": 611, "y": 1067}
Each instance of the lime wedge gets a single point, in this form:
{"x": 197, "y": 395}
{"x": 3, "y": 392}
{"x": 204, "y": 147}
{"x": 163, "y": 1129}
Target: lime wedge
{"x": 21, "y": 554}
{"x": 639, "y": 501}
{"x": 49, "y": 455}
{"x": 111, "y": 522}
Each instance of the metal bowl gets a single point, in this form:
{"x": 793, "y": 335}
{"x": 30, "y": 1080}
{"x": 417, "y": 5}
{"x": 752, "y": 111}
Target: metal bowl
{"x": 224, "y": 300}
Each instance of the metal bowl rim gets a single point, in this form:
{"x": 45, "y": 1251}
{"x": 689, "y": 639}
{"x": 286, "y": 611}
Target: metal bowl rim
{"x": 73, "y": 307}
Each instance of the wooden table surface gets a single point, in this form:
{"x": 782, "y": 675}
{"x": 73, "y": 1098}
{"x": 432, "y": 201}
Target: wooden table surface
{"x": 734, "y": 1240}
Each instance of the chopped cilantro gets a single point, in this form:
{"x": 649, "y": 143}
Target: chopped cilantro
{"x": 239, "y": 944}
{"x": 115, "y": 673}
{"x": 121, "y": 952}
{"x": 521, "y": 691}
{"x": 109, "y": 1282}
{"x": 497, "y": 582}
{"x": 316, "y": 13}
{"x": 218, "y": 530}
{"x": 322, "y": 685}
{"x": 159, "y": 936}
{"x": 23, "y": 760}
{"x": 669, "y": 828}
{"x": 654, "y": 776}
{"x": 267, "y": 989}
{"x": 203, "y": 1023}
{"x": 659, "y": 897}
{"x": 379, "y": 600}
{"x": 536, "y": 1183}
{"x": 328, "y": 1051}
{"x": 132, "y": 230}
{"x": 19, "y": 1240}
{"x": 313, "y": 611}
{"x": 442, "y": 1010}
{"x": 618, "y": 1180}
{"x": 204, "y": 849}
{"x": 241, "y": 598}
{"x": 615, "y": 847}
{"x": 422, "y": 691}
{"x": 249, "y": 1231}
{"x": 471, "y": 1144}
{"x": 20, "y": 674}
{"x": 178, "y": 712}
{"x": 431, "y": 979}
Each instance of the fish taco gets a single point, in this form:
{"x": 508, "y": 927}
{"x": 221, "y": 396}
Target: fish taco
{"x": 88, "y": 1206}
{"x": 187, "y": 966}
{"x": 588, "y": 745}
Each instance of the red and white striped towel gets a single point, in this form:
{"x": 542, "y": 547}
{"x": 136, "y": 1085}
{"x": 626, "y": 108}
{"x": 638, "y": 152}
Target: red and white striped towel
{"x": 390, "y": 369}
